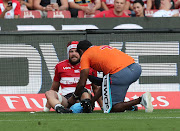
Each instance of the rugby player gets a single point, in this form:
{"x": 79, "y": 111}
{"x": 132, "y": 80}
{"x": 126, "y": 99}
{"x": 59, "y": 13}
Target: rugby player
{"x": 67, "y": 74}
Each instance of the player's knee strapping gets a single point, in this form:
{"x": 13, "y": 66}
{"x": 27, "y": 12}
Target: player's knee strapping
{"x": 59, "y": 97}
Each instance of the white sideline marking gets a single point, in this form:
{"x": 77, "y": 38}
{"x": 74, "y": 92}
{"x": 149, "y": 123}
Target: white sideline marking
{"x": 110, "y": 118}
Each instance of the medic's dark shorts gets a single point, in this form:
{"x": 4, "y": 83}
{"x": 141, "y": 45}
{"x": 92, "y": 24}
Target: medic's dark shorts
{"x": 121, "y": 81}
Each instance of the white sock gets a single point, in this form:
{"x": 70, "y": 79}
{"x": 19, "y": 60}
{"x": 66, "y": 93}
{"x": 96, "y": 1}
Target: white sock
{"x": 46, "y": 109}
{"x": 57, "y": 106}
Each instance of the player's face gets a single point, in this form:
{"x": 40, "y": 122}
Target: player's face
{"x": 138, "y": 9}
{"x": 74, "y": 56}
{"x": 119, "y": 5}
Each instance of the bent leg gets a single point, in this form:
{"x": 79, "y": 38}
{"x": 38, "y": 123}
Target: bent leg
{"x": 122, "y": 106}
{"x": 120, "y": 83}
{"x": 53, "y": 99}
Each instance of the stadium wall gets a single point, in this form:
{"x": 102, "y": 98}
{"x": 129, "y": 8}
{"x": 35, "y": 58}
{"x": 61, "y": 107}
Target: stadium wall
{"x": 28, "y": 58}
{"x": 101, "y": 23}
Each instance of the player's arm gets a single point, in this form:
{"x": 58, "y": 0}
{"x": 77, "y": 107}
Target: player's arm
{"x": 82, "y": 81}
{"x": 81, "y": 84}
{"x": 55, "y": 86}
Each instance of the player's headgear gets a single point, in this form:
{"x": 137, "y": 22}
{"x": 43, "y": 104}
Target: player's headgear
{"x": 71, "y": 45}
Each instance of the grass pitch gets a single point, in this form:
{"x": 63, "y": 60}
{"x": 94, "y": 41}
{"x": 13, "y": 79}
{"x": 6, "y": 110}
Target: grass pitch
{"x": 159, "y": 120}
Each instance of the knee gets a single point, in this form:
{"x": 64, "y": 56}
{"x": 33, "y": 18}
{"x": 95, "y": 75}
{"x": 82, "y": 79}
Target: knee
{"x": 85, "y": 95}
{"x": 49, "y": 93}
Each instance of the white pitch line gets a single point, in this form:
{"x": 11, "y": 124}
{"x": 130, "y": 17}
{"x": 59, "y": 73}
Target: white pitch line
{"x": 139, "y": 118}
{"x": 153, "y": 118}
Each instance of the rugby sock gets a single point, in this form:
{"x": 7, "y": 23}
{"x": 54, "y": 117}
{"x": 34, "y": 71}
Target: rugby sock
{"x": 46, "y": 109}
{"x": 60, "y": 109}
{"x": 58, "y": 105}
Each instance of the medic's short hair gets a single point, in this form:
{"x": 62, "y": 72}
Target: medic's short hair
{"x": 83, "y": 45}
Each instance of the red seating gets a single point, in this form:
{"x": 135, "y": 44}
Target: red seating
{"x": 58, "y": 14}
{"x": 149, "y": 13}
{"x": 30, "y": 14}
{"x": 82, "y": 14}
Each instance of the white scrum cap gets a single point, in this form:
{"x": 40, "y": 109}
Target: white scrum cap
{"x": 71, "y": 45}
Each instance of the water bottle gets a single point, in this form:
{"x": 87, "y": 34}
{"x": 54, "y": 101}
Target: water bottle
{"x": 53, "y": 1}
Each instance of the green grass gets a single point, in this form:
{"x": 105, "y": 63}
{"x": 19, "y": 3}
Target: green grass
{"x": 159, "y": 120}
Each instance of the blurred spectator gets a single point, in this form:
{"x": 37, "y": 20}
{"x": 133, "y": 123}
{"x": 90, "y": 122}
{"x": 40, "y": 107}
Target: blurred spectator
{"x": 9, "y": 11}
{"x": 165, "y": 11}
{"x": 138, "y": 8}
{"x": 118, "y": 10}
{"x": 88, "y": 6}
{"x": 107, "y": 4}
{"x": 157, "y": 3}
{"x": 46, "y": 5}
{"x": 26, "y": 4}
{"x": 129, "y": 4}
{"x": 177, "y": 4}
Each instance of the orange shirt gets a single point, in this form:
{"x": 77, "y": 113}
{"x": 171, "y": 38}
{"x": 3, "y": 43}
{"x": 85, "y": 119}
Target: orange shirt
{"x": 106, "y": 59}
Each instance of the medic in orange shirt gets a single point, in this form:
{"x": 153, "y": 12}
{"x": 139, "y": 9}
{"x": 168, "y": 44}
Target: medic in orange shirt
{"x": 122, "y": 69}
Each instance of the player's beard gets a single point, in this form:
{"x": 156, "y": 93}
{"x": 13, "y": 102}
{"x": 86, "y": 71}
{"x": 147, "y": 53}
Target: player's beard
{"x": 74, "y": 62}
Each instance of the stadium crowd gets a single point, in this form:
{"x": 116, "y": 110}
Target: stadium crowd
{"x": 90, "y": 8}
